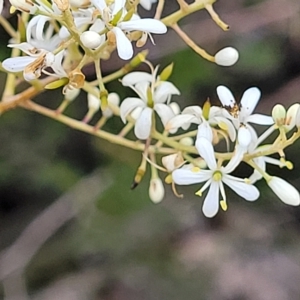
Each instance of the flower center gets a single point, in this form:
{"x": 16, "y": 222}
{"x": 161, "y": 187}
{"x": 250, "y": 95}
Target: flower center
{"x": 217, "y": 176}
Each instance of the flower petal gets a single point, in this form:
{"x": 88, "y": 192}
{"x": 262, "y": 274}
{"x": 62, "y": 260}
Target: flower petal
{"x": 135, "y": 77}
{"x": 260, "y": 119}
{"x": 285, "y": 191}
{"x": 225, "y": 96}
{"x": 211, "y": 202}
{"x": 245, "y": 190}
{"x": 146, "y": 25}
{"x": 128, "y": 105}
{"x": 206, "y": 151}
{"x": 249, "y": 101}
{"x": 17, "y": 64}
{"x": 183, "y": 121}
{"x": 164, "y": 111}
{"x": 143, "y": 124}
{"x": 124, "y": 46}
{"x": 187, "y": 176}
{"x": 164, "y": 90}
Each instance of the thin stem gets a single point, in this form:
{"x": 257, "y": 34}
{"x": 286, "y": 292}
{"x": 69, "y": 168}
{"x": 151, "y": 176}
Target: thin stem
{"x": 8, "y": 28}
{"x": 192, "y": 44}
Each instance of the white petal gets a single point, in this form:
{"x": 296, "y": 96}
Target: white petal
{"x": 285, "y": 191}
{"x": 181, "y": 121}
{"x": 1, "y": 5}
{"x": 205, "y": 131}
{"x": 135, "y": 77}
{"x": 244, "y": 137}
{"x": 245, "y": 190}
{"x": 255, "y": 176}
{"x": 223, "y": 122}
{"x": 187, "y": 177}
{"x": 163, "y": 91}
{"x": 193, "y": 110}
{"x": 164, "y": 111}
{"x": 206, "y": 151}
{"x": 143, "y": 124}
{"x": 27, "y": 48}
{"x": 128, "y": 105}
{"x": 147, "y": 25}
{"x": 17, "y": 64}
{"x": 124, "y": 46}
{"x": 225, "y": 96}
{"x": 156, "y": 190}
{"x": 211, "y": 201}
{"x": 119, "y": 4}
{"x": 235, "y": 160}
{"x": 249, "y": 101}
{"x": 260, "y": 119}
{"x": 291, "y": 117}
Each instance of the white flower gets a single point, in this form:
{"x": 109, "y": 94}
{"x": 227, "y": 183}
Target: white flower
{"x": 242, "y": 114}
{"x": 194, "y": 114}
{"x": 119, "y": 25}
{"x": 35, "y": 63}
{"x": 227, "y": 57}
{"x": 214, "y": 178}
{"x": 156, "y": 190}
{"x": 285, "y": 191}
{"x": 152, "y": 97}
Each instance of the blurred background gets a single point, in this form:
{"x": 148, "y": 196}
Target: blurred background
{"x": 71, "y": 228}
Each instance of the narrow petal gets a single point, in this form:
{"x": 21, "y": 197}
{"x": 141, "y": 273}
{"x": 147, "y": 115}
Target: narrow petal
{"x": 235, "y": 160}
{"x": 249, "y": 101}
{"x": 255, "y": 176}
{"x": 211, "y": 202}
{"x": 100, "y": 4}
{"x": 17, "y": 64}
{"x": 181, "y": 121}
{"x": 225, "y": 124}
{"x": 143, "y": 123}
{"x": 147, "y": 25}
{"x": 205, "y": 131}
{"x": 245, "y": 190}
{"x": 124, "y": 46}
{"x": 135, "y": 77}
{"x": 260, "y": 119}
{"x": 206, "y": 151}
{"x": 164, "y": 111}
{"x": 128, "y": 105}
{"x": 163, "y": 91}
{"x": 225, "y": 96}
{"x": 193, "y": 110}
{"x": 187, "y": 177}
{"x": 119, "y": 4}
{"x": 285, "y": 191}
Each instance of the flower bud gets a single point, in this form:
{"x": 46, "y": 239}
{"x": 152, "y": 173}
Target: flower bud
{"x": 244, "y": 137}
{"x": 156, "y": 190}
{"x": 91, "y": 39}
{"x": 71, "y": 94}
{"x": 285, "y": 191}
{"x": 227, "y": 57}
{"x": 279, "y": 114}
{"x": 298, "y": 117}
{"x": 187, "y": 141}
{"x": 93, "y": 102}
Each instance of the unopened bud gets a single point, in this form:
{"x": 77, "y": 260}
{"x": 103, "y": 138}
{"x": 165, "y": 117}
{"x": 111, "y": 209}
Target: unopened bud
{"x": 91, "y": 39}
{"x": 93, "y": 102}
{"x": 156, "y": 190}
{"x": 285, "y": 191}
{"x": 227, "y": 57}
{"x": 279, "y": 114}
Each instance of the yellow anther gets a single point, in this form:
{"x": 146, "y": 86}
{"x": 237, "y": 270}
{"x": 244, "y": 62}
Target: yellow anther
{"x": 199, "y": 193}
{"x": 223, "y": 126}
{"x": 168, "y": 179}
{"x": 223, "y": 205}
{"x": 289, "y": 165}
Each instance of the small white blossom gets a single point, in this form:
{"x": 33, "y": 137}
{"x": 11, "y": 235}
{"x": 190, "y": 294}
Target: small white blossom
{"x": 156, "y": 190}
{"x": 285, "y": 191}
{"x": 91, "y": 39}
{"x": 227, "y": 57}
{"x": 152, "y": 97}
{"x": 214, "y": 179}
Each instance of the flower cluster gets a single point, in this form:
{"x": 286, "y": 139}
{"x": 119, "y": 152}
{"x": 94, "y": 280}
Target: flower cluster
{"x": 57, "y": 41}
